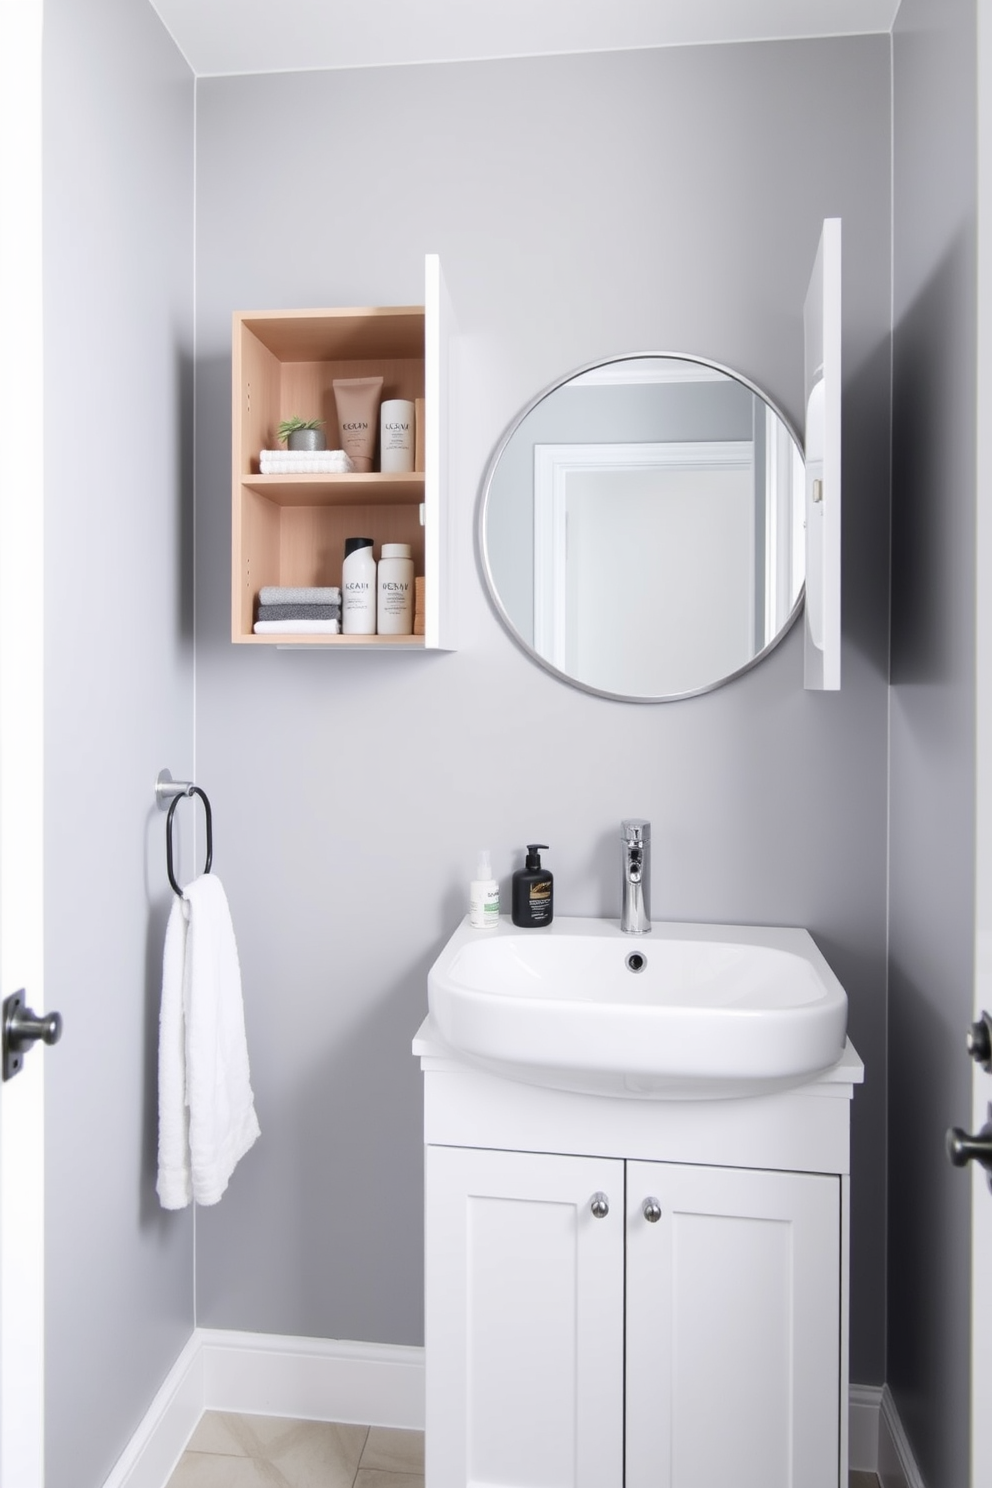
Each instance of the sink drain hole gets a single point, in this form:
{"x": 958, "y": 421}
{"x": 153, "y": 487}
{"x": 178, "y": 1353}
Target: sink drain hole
{"x": 636, "y": 961}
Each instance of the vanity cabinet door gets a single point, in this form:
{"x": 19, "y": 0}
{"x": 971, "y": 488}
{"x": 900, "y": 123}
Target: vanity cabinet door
{"x": 733, "y": 1328}
{"x": 524, "y": 1320}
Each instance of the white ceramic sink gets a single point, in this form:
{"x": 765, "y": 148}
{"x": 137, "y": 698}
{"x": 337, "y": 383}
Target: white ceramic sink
{"x": 706, "y": 1010}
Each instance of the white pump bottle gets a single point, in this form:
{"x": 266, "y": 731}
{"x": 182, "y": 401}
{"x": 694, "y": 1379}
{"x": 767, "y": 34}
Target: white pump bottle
{"x": 483, "y": 895}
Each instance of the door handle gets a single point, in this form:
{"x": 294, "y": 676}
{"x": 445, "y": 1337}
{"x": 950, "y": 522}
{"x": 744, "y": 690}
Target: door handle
{"x": 963, "y": 1148}
{"x": 21, "y": 1028}
{"x": 979, "y": 1041}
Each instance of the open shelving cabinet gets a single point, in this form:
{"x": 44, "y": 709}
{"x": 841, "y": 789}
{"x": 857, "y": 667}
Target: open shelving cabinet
{"x": 290, "y": 529}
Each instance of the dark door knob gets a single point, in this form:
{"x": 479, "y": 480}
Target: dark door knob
{"x": 21, "y": 1028}
{"x": 964, "y": 1148}
{"x": 979, "y": 1041}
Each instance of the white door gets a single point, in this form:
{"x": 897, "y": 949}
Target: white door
{"x": 733, "y": 1312}
{"x": 21, "y": 397}
{"x": 524, "y": 1320}
{"x": 981, "y": 1269}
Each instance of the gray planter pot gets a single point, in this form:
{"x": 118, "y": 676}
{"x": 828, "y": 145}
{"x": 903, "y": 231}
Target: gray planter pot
{"x": 307, "y": 439}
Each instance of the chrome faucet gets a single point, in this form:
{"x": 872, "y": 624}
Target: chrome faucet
{"x": 635, "y": 887}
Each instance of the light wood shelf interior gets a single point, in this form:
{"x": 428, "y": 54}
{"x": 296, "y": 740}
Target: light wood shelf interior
{"x": 338, "y": 490}
{"x": 291, "y": 529}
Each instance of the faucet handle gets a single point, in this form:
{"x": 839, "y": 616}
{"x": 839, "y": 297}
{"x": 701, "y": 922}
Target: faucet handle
{"x": 635, "y": 829}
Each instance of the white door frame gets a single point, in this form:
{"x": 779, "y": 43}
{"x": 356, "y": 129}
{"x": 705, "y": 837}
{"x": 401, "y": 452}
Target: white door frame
{"x": 21, "y": 738}
{"x": 981, "y": 1227}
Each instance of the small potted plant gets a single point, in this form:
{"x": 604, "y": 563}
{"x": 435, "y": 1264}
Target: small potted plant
{"x": 302, "y": 434}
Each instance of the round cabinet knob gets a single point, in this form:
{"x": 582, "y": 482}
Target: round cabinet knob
{"x": 651, "y": 1210}
{"x": 600, "y": 1205}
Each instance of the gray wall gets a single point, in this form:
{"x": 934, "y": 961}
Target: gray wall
{"x": 118, "y": 266}
{"x": 583, "y": 207}
{"x": 933, "y": 722}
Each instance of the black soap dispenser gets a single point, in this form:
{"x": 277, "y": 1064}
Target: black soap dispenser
{"x": 533, "y": 891}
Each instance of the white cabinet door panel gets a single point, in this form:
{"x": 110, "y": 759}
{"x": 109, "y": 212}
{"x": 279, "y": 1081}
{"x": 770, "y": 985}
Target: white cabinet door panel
{"x": 822, "y": 327}
{"x": 524, "y": 1321}
{"x": 439, "y": 569}
{"x": 733, "y": 1353}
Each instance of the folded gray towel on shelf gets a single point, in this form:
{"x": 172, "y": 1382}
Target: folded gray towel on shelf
{"x": 286, "y": 594}
{"x": 299, "y": 612}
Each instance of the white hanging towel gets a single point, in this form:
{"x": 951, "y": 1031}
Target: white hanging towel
{"x": 206, "y": 1111}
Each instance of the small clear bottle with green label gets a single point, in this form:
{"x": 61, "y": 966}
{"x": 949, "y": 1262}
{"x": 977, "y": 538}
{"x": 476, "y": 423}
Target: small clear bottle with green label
{"x": 483, "y": 895}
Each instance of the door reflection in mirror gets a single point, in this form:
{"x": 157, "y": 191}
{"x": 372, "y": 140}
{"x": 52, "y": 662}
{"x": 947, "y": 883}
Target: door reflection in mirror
{"x": 642, "y": 527}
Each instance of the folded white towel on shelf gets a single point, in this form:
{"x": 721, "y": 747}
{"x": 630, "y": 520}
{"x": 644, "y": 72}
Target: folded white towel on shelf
{"x": 287, "y": 594}
{"x": 297, "y": 627}
{"x": 305, "y": 462}
{"x": 207, "y": 1118}
{"x": 291, "y": 454}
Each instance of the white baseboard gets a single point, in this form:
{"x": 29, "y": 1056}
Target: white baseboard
{"x": 865, "y": 1413}
{"x": 309, "y": 1379}
{"x": 313, "y": 1379}
{"x": 153, "y": 1451}
{"x": 878, "y": 1443}
{"x": 896, "y": 1464}
{"x": 316, "y": 1379}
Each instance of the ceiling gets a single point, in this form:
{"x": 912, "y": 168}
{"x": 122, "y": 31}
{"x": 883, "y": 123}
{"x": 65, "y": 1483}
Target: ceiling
{"x": 238, "y": 36}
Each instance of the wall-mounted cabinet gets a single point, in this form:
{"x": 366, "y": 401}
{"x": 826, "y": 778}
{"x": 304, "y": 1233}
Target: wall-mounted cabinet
{"x": 291, "y": 529}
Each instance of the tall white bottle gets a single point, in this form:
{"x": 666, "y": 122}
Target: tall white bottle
{"x": 358, "y": 598}
{"x": 396, "y": 422}
{"x": 395, "y": 589}
{"x": 483, "y": 895}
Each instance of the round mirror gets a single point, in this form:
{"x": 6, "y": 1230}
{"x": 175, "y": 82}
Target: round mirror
{"x": 642, "y": 527}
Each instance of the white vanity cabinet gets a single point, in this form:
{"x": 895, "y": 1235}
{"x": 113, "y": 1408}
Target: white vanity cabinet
{"x": 693, "y": 1335}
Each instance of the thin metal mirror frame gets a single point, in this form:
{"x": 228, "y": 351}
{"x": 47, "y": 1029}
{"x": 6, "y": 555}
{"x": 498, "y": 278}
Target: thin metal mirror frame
{"x": 486, "y": 491}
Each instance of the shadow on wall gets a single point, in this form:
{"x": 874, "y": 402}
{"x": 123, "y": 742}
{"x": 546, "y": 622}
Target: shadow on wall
{"x": 930, "y": 1215}
{"x": 866, "y": 502}
{"x": 369, "y": 1225}
{"x": 935, "y": 343}
{"x": 185, "y": 513}
{"x": 150, "y": 1211}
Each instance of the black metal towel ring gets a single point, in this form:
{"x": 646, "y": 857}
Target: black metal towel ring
{"x": 193, "y": 790}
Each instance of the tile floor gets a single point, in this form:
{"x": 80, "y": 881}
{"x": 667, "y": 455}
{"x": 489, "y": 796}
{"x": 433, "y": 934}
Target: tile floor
{"x": 229, "y": 1451}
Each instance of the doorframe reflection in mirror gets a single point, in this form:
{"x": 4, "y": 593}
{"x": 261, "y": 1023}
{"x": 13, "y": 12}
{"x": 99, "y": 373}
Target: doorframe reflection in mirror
{"x": 787, "y": 540}
{"x": 554, "y": 464}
